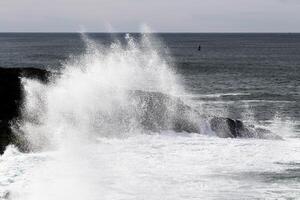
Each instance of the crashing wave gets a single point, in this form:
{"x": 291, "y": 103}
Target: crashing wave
{"x": 113, "y": 91}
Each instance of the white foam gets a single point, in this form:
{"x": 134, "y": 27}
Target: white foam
{"x": 175, "y": 166}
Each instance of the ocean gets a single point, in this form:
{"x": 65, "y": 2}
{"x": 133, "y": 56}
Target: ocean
{"x": 90, "y": 145}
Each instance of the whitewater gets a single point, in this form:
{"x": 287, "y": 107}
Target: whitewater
{"x": 87, "y": 143}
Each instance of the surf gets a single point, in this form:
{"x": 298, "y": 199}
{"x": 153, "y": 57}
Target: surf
{"x": 103, "y": 127}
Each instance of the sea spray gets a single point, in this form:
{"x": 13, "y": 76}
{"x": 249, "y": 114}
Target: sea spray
{"x": 90, "y": 97}
{"x": 86, "y": 165}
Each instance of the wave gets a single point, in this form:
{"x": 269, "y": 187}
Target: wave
{"x": 92, "y": 94}
{"x": 113, "y": 91}
{"x": 85, "y": 124}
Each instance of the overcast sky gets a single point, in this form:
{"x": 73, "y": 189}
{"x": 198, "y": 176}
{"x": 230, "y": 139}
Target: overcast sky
{"x": 160, "y": 15}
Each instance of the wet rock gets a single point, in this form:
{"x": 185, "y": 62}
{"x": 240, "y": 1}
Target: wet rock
{"x": 11, "y": 98}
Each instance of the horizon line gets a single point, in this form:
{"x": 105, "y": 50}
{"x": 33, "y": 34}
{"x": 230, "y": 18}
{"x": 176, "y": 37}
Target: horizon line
{"x": 157, "y": 32}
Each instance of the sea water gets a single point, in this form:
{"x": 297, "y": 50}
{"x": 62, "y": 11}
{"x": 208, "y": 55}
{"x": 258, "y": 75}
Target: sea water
{"x": 79, "y": 154}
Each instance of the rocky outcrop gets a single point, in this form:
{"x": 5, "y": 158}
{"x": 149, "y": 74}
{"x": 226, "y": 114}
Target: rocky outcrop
{"x": 154, "y": 111}
{"x": 11, "y": 98}
{"x": 157, "y": 111}
{"x": 226, "y": 127}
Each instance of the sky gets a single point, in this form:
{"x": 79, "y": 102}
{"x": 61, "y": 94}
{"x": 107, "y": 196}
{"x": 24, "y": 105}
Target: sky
{"x": 160, "y": 15}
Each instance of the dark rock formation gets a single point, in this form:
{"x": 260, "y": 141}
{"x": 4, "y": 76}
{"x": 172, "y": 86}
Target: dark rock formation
{"x": 226, "y": 127}
{"x": 157, "y": 111}
{"x": 11, "y": 98}
{"x": 154, "y": 111}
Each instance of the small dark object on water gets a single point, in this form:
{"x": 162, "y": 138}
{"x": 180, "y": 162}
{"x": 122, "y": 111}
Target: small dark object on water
{"x": 199, "y": 48}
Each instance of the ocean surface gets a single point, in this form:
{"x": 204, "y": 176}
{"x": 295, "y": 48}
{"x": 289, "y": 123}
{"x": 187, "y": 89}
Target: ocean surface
{"x": 251, "y": 77}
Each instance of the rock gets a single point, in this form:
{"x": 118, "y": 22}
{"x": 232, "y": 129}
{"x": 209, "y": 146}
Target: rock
{"x": 157, "y": 111}
{"x": 226, "y": 127}
{"x": 223, "y": 127}
{"x": 11, "y": 98}
{"x": 154, "y": 111}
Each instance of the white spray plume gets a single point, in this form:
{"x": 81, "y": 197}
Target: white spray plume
{"x": 90, "y": 96}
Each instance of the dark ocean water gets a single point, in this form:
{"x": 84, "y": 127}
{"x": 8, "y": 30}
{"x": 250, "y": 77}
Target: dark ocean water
{"x": 245, "y": 76}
